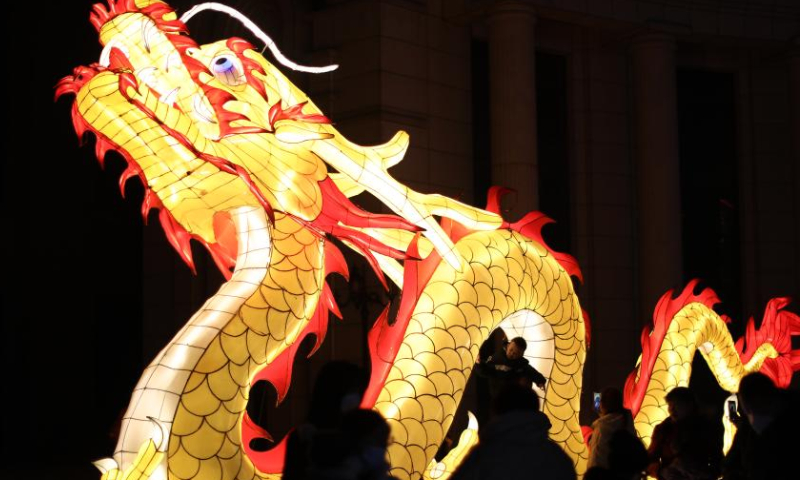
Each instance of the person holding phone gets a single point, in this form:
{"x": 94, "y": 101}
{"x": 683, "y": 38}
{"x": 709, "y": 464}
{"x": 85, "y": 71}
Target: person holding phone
{"x": 614, "y": 417}
{"x": 763, "y": 447}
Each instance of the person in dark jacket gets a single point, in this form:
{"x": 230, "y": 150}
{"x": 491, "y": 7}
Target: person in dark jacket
{"x": 515, "y": 443}
{"x": 685, "y": 446}
{"x": 511, "y": 367}
{"x": 613, "y": 418}
{"x": 764, "y": 445}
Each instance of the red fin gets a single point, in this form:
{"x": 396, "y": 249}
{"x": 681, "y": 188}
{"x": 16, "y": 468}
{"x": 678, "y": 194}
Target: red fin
{"x": 335, "y": 262}
{"x": 586, "y": 431}
{"x": 339, "y": 214}
{"x": 338, "y": 208}
{"x": 239, "y": 46}
{"x": 279, "y": 372}
{"x": 101, "y": 147}
{"x": 255, "y": 429}
{"x": 270, "y": 461}
{"x": 493, "y": 198}
{"x": 227, "y": 246}
{"x": 177, "y": 237}
{"x": 384, "y": 340}
{"x": 653, "y": 337}
{"x": 156, "y": 12}
{"x": 531, "y": 226}
{"x": 777, "y": 327}
{"x": 295, "y": 112}
{"x": 129, "y": 172}
{"x": 454, "y": 229}
{"x": 80, "y": 125}
{"x": 221, "y": 259}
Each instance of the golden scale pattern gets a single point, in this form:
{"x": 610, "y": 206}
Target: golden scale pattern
{"x": 504, "y": 273}
{"x": 694, "y": 328}
{"x": 206, "y": 436}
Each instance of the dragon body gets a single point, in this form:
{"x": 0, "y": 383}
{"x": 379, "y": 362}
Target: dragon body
{"x": 237, "y": 158}
{"x": 687, "y": 324}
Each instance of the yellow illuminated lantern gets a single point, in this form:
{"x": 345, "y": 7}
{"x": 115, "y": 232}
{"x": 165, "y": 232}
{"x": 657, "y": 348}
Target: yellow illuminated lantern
{"x": 687, "y": 324}
{"x": 234, "y": 156}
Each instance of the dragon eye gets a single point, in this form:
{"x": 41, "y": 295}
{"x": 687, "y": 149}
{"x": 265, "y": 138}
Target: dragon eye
{"x": 223, "y": 65}
{"x": 226, "y": 68}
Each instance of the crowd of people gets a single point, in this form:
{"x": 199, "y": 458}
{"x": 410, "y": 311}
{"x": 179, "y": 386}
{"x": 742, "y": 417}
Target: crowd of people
{"x": 340, "y": 441}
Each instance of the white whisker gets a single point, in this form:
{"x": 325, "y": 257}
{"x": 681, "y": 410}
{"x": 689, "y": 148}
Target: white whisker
{"x": 257, "y": 32}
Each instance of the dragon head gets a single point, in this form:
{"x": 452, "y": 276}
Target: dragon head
{"x": 210, "y": 128}
{"x": 203, "y": 127}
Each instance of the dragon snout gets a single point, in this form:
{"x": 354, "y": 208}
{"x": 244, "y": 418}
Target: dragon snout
{"x": 73, "y": 83}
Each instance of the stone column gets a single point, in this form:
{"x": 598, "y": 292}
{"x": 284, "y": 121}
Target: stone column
{"x": 512, "y": 87}
{"x": 657, "y": 168}
{"x": 794, "y": 107}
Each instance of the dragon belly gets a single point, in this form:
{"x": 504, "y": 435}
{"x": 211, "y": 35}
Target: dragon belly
{"x": 158, "y": 393}
{"x": 197, "y": 387}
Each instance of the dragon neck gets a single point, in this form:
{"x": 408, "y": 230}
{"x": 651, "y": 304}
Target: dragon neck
{"x": 266, "y": 311}
{"x": 695, "y": 327}
{"x": 158, "y": 393}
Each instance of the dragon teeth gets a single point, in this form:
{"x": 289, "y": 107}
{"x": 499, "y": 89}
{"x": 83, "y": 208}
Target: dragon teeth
{"x": 202, "y": 110}
{"x": 147, "y": 75}
{"x": 172, "y": 58}
{"x": 170, "y": 97}
{"x": 105, "y": 55}
{"x": 148, "y": 31}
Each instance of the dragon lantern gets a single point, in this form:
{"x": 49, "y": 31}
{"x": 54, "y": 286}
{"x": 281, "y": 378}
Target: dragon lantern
{"x": 236, "y": 157}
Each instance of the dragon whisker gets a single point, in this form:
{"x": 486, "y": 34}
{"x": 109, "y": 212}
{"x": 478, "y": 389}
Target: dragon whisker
{"x": 250, "y": 25}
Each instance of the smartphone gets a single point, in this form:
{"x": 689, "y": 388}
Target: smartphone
{"x": 596, "y": 396}
{"x": 732, "y": 408}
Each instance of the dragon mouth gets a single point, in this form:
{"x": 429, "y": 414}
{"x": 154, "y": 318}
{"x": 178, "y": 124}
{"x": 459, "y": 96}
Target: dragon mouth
{"x": 171, "y": 108}
{"x": 155, "y": 62}
{"x": 115, "y": 57}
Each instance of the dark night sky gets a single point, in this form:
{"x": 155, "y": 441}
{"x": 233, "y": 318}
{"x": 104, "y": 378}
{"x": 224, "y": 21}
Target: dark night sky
{"x": 72, "y": 294}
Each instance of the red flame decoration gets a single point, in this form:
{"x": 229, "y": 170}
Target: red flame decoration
{"x": 777, "y": 328}
{"x": 653, "y": 337}
{"x": 156, "y": 11}
{"x": 531, "y": 226}
{"x": 384, "y": 339}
